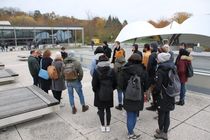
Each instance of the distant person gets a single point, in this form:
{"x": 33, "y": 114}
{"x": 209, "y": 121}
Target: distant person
{"x": 73, "y": 74}
{"x": 118, "y": 51}
{"x": 132, "y": 107}
{"x": 146, "y": 54}
{"x": 165, "y": 102}
{"x": 64, "y": 54}
{"x": 183, "y": 60}
{"x": 92, "y": 43}
{"x": 151, "y": 69}
{"x": 97, "y": 53}
{"x": 107, "y": 50}
{"x": 135, "y": 49}
{"x": 44, "y": 63}
{"x": 33, "y": 65}
{"x": 103, "y": 84}
{"x": 58, "y": 85}
{"x": 6, "y": 46}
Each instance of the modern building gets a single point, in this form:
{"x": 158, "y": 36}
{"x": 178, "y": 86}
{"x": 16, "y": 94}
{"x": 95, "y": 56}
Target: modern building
{"x": 18, "y": 35}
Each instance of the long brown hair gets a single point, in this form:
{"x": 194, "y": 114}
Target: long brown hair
{"x": 47, "y": 53}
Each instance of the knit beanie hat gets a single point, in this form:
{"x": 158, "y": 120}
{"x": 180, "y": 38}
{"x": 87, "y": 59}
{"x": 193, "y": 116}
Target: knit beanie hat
{"x": 58, "y": 55}
{"x": 163, "y": 57}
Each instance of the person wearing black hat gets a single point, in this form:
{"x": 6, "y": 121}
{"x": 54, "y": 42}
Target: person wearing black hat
{"x": 103, "y": 84}
{"x": 107, "y": 50}
{"x": 133, "y": 67}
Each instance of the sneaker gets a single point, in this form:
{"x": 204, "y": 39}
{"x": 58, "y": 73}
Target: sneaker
{"x": 119, "y": 107}
{"x": 85, "y": 108}
{"x": 74, "y": 110}
{"x": 133, "y": 136}
{"x": 180, "y": 103}
{"x": 103, "y": 128}
{"x": 161, "y": 135}
{"x": 108, "y": 129}
{"x": 151, "y": 108}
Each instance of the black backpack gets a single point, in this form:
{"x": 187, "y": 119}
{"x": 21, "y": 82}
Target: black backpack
{"x": 106, "y": 86}
{"x": 174, "y": 85}
{"x": 133, "y": 91}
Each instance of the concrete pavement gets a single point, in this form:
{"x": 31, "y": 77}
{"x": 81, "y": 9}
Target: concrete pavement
{"x": 188, "y": 122}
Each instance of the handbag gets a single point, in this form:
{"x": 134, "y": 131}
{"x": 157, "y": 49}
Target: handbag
{"x": 43, "y": 73}
{"x": 189, "y": 70}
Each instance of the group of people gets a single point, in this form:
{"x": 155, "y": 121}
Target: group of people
{"x": 149, "y": 69}
{"x": 152, "y": 67}
{"x": 61, "y": 62}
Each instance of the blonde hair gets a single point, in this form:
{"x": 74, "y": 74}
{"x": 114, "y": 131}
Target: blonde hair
{"x": 47, "y": 53}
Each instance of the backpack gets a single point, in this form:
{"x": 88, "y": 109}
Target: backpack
{"x": 70, "y": 72}
{"x": 133, "y": 91}
{"x": 174, "y": 85}
{"x": 189, "y": 70}
{"x": 106, "y": 89}
{"x": 119, "y": 53}
{"x": 52, "y": 72}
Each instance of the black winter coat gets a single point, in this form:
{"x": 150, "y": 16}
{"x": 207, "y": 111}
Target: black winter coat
{"x": 127, "y": 71}
{"x": 151, "y": 67}
{"x": 165, "y": 102}
{"x": 96, "y": 86}
{"x": 46, "y": 84}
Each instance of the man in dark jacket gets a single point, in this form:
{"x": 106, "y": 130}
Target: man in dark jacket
{"x": 107, "y": 50}
{"x": 133, "y": 67}
{"x": 164, "y": 101}
{"x": 135, "y": 49}
{"x": 33, "y": 65}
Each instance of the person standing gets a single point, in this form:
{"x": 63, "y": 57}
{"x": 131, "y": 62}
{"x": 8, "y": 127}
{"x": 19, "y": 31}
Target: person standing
{"x": 44, "y": 63}
{"x": 183, "y": 60}
{"x": 64, "y": 54}
{"x": 107, "y": 50}
{"x": 135, "y": 49}
{"x": 147, "y": 53}
{"x": 33, "y": 65}
{"x": 58, "y": 85}
{"x": 133, "y": 67}
{"x": 118, "y": 51}
{"x": 165, "y": 102}
{"x": 103, "y": 84}
{"x": 73, "y": 74}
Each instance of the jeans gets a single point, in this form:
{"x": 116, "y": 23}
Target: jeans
{"x": 164, "y": 120}
{"x": 101, "y": 115}
{"x": 131, "y": 121}
{"x": 36, "y": 81}
{"x": 76, "y": 84}
{"x": 182, "y": 92}
{"x": 120, "y": 94}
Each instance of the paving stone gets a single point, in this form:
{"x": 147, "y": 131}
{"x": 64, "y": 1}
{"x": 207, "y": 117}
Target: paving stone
{"x": 49, "y": 127}
{"x": 84, "y": 122}
{"x": 187, "y": 132}
{"x": 207, "y": 109}
{"x": 10, "y": 134}
{"x": 201, "y": 120}
{"x": 197, "y": 101}
{"x": 118, "y": 132}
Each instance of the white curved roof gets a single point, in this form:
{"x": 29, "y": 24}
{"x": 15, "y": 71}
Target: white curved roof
{"x": 194, "y": 25}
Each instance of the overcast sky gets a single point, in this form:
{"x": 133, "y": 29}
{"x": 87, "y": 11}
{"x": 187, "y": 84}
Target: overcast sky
{"x": 131, "y": 10}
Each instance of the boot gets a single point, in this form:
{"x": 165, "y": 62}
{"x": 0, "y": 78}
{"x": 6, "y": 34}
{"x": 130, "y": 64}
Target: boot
{"x": 119, "y": 107}
{"x": 161, "y": 135}
{"x": 85, "y": 108}
{"x": 181, "y": 102}
{"x": 74, "y": 110}
{"x": 151, "y": 108}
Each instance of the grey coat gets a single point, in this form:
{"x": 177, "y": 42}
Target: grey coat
{"x": 59, "y": 84}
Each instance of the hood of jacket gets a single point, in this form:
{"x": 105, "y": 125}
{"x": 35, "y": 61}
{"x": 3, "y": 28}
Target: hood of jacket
{"x": 133, "y": 69}
{"x": 185, "y": 57}
{"x": 166, "y": 65}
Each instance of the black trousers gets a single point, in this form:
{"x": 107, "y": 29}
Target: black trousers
{"x": 57, "y": 95}
{"x": 163, "y": 120}
{"x": 101, "y": 115}
{"x": 36, "y": 81}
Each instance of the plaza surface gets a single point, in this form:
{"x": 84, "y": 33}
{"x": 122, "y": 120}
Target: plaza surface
{"x": 188, "y": 122}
